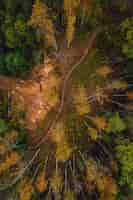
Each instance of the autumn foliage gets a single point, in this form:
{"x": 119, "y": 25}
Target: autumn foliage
{"x": 40, "y": 19}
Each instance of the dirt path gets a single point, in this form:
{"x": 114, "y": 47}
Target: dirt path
{"x": 64, "y": 87}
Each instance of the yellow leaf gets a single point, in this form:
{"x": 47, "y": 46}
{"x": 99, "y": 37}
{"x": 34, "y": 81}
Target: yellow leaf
{"x": 104, "y": 71}
{"x": 100, "y": 122}
{"x": 40, "y": 19}
{"x": 63, "y": 152}
{"x": 92, "y": 132}
{"x": 56, "y": 182}
{"x": 69, "y": 195}
{"x": 41, "y": 182}
{"x": 80, "y": 101}
{"x": 118, "y": 85}
{"x": 26, "y": 190}
{"x": 70, "y": 30}
{"x": 91, "y": 171}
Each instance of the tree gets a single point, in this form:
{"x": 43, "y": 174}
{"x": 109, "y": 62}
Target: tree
{"x": 10, "y": 6}
{"x": 80, "y": 12}
{"x": 15, "y": 63}
{"x": 70, "y": 8}
{"x": 15, "y": 35}
{"x": 127, "y": 33}
{"x": 116, "y": 124}
{"x": 86, "y": 10}
{"x": 124, "y": 154}
{"x": 40, "y": 19}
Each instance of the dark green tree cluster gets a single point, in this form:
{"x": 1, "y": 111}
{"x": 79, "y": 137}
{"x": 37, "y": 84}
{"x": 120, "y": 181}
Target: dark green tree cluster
{"x": 116, "y": 37}
{"x": 17, "y": 40}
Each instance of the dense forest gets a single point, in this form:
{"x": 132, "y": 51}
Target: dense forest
{"x": 66, "y": 100}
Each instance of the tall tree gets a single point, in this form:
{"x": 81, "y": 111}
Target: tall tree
{"x": 40, "y": 19}
{"x": 70, "y": 8}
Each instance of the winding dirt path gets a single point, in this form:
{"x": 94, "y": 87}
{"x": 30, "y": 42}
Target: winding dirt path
{"x": 64, "y": 88}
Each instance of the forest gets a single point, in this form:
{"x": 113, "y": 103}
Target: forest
{"x": 66, "y": 100}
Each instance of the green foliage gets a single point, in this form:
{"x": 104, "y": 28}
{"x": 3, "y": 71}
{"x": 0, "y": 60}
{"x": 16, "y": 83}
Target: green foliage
{"x": 13, "y": 63}
{"x": 124, "y": 154}
{"x": 118, "y": 36}
{"x": 18, "y": 41}
{"x": 2, "y": 63}
{"x": 21, "y": 142}
{"x": 127, "y": 32}
{"x": 116, "y": 39}
{"x": 3, "y": 126}
{"x": 11, "y": 41}
{"x": 17, "y": 34}
{"x": 10, "y": 6}
{"x": 120, "y": 196}
{"x": 116, "y": 124}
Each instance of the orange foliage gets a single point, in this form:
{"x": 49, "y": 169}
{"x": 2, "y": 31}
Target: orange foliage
{"x": 100, "y": 122}
{"x": 70, "y": 31}
{"x": 105, "y": 184}
{"x": 40, "y": 19}
{"x": 26, "y": 190}
{"x": 113, "y": 165}
{"x": 110, "y": 189}
{"x": 70, "y": 7}
{"x": 11, "y": 160}
{"x": 41, "y": 182}
{"x": 130, "y": 95}
{"x": 58, "y": 133}
{"x": 80, "y": 100}
{"x": 63, "y": 149}
{"x": 91, "y": 171}
{"x": 104, "y": 71}
{"x": 63, "y": 152}
{"x": 3, "y": 149}
{"x": 130, "y": 106}
{"x": 107, "y": 187}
